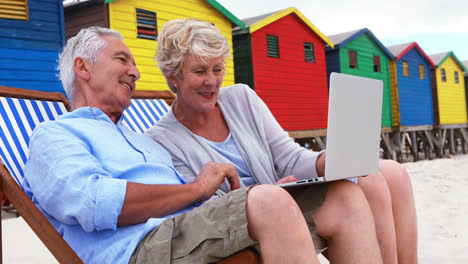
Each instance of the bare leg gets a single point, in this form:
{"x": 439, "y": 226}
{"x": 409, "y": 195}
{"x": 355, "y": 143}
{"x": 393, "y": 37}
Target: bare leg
{"x": 277, "y": 223}
{"x": 346, "y": 222}
{"x": 404, "y": 210}
{"x": 378, "y": 195}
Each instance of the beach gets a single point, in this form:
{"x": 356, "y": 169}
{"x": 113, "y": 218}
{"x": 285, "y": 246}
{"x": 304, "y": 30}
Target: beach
{"x": 440, "y": 187}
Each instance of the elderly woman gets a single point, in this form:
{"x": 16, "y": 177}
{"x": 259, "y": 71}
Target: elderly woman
{"x": 233, "y": 125}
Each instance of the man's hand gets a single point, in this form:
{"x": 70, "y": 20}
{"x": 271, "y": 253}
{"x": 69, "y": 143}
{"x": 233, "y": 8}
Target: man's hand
{"x": 144, "y": 201}
{"x": 212, "y": 175}
{"x": 290, "y": 178}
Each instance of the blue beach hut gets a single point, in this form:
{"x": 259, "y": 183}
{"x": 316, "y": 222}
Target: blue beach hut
{"x": 31, "y": 36}
{"x": 412, "y": 99}
{"x": 410, "y": 78}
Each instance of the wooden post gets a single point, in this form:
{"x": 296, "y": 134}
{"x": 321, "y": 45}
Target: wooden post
{"x": 414, "y": 146}
{"x": 397, "y": 146}
{"x": 464, "y": 139}
{"x": 451, "y": 140}
{"x": 431, "y": 145}
{"x": 441, "y": 140}
{"x": 388, "y": 145}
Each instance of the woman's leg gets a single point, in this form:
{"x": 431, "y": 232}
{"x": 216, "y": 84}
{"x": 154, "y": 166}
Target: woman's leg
{"x": 379, "y": 197}
{"x": 276, "y": 221}
{"x": 346, "y": 222}
{"x": 404, "y": 210}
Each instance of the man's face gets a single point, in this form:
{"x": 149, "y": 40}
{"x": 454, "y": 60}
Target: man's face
{"x": 112, "y": 77}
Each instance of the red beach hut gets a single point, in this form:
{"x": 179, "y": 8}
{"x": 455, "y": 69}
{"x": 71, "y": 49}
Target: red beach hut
{"x": 282, "y": 56}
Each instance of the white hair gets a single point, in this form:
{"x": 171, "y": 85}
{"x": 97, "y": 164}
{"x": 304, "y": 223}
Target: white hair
{"x": 179, "y": 38}
{"x": 86, "y": 44}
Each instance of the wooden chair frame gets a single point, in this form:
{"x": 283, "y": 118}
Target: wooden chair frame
{"x": 18, "y": 198}
{"x": 34, "y": 217}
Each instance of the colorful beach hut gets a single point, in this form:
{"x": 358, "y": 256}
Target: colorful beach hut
{"x": 465, "y": 63}
{"x": 282, "y": 56}
{"x": 411, "y": 90}
{"x": 360, "y": 53}
{"x": 410, "y": 78}
{"x": 449, "y": 90}
{"x": 139, "y": 21}
{"x": 32, "y": 35}
{"x": 450, "y": 106}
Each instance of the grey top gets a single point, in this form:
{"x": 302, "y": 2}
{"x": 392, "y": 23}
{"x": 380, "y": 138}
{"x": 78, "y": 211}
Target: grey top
{"x": 267, "y": 149}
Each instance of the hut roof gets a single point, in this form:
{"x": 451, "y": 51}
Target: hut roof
{"x": 465, "y": 63}
{"x": 255, "y": 23}
{"x": 221, "y": 9}
{"x": 339, "y": 38}
{"x": 343, "y": 39}
{"x": 401, "y": 49}
{"x": 439, "y": 58}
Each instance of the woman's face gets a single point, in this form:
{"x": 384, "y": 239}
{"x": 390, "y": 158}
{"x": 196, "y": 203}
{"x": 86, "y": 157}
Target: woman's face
{"x": 198, "y": 90}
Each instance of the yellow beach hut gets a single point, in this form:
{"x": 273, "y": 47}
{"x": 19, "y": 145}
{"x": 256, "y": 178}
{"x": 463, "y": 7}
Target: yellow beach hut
{"x": 449, "y": 100}
{"x": 139, "y": 21}
{"x": 448, "y": 89}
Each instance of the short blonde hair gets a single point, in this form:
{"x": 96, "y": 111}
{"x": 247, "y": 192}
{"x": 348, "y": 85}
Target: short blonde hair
{"x": 179, "y": 38}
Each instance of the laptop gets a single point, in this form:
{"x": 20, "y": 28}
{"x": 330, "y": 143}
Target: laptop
{"x": 353, "y": 132}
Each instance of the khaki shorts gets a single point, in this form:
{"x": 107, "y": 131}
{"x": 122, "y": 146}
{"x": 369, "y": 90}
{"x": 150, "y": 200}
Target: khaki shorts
{"x": 215, "y": 230}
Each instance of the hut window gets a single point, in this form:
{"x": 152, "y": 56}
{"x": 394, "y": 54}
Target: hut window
{"x": 309, "y": 52}
{"x": 14, "y": 9}
{"x": 421, "y": 72}
{"x": 376, "y": 64}
{"x": 352, "y": 59}
{"x": 456, "y": 77}
{"x": 442, "y": 75}
{"x": 147, "y": 28}
{"x": 405, "y": 68}
{"x": 272, "y": 46}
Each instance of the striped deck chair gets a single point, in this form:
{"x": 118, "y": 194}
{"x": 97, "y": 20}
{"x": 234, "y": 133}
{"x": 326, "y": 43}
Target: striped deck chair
{"x": 146, "y": 108}
{"x": 20, "y": 112}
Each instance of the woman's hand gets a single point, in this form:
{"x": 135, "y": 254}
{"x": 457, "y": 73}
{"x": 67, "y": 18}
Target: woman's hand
{"x": 290, "y": 178}
{"x": 320, "y": 165}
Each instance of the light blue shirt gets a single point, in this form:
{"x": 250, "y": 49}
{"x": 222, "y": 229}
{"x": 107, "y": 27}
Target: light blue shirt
{"x": 230, "y": 150}
{"x": 77, "y": 175}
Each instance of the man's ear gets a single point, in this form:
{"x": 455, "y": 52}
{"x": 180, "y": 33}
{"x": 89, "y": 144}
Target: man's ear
{"x": 82, "y": 68}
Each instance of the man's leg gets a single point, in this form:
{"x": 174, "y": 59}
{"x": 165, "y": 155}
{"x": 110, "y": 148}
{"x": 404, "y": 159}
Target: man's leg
{"x": 404, "y": 210}
{"x": 346, "y": 222}
{"x": 275, "y": 220}
{"x": 378, "y": 195}
{"x": 221, "y": 227}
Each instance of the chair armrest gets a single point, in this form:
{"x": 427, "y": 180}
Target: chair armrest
{"x": 36, "y": 220}
{"x": 246, "y": 256}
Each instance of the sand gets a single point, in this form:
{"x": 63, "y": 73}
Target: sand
{"x": 440, "y": 186}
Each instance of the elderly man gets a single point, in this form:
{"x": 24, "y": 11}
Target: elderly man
{"x": 115, "y": 196}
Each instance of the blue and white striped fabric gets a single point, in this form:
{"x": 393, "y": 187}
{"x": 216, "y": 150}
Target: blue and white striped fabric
{"x": 144, "y": 113}
{"x": 18, "y": 118}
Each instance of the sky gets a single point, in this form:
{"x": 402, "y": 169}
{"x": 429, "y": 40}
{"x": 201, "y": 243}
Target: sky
{"x": 437, "y": 25}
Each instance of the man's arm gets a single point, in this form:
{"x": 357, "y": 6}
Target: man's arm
{"x": 72, "y": 185}
{"x": 144, "y": 201}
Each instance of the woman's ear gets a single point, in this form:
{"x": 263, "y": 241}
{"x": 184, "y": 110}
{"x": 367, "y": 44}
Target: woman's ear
{"x": 172, "y": 80}
{"x": 81, "y": 67}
